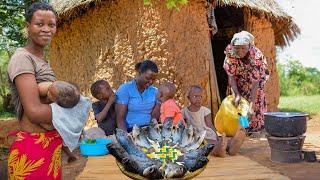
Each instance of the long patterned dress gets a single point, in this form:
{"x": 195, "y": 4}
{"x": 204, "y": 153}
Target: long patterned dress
{"x": 245, "y": 74}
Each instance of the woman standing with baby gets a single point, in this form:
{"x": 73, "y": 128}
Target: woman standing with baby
{"x": 39, "y": 149}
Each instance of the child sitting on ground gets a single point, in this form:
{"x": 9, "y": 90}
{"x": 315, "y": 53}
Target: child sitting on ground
{"x": 65, "y": 95}
{"x": 169, "y": 108}
{"x": 200, "y": 118}
{"x": 104, "y": 109}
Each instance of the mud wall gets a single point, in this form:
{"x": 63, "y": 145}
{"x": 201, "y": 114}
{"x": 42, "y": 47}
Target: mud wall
{"x": 261, "y": 28}
{"x": 107, "y": 41}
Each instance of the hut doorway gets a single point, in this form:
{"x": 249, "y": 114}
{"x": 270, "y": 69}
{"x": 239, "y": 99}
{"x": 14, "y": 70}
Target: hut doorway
{"x": 229, "y": 21}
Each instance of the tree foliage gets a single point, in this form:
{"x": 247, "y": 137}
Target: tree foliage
{"x": 12, "y": 35}
{"x": 295, "y": 79}
{"x": 171, "y": 4}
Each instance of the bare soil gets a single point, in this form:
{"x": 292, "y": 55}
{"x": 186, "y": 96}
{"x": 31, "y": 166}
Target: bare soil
{"x": 259, "y": 151}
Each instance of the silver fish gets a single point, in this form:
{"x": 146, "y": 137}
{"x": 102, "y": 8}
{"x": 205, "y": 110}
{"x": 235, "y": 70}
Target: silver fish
{"x": 139, "y": 137}
{"x": 202, "y": 151}
{"x": 177, "y": 133}
{"x": 128, "y": 144}
{"x": 147, "y": 167}
{"x": 187, "y": 136}
{"x": 166, "y": 130}
{"x": 117, "y": 151}
{"x": 174, "y": 170}
{"x": 192, "y": 164}
{"x": 196, "y": 143}
{"x": 154, "y": 132}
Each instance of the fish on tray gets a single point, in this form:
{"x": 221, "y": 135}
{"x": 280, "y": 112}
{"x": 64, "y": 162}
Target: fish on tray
{"x": 196, "y": 143}
{"x": 140, "y": 138}
{"x": 173, "y": 170}
{"x": 147, "y": 167}
{"x": 166, "y": 130}
{"x": 194, "y": 163}
{"x": 127, "y": 143}
{"x": 187, "y": 136}
{"x": 154, "y": 131}
{"x": 177, "y": 133}
{"x": 167, "y": 151}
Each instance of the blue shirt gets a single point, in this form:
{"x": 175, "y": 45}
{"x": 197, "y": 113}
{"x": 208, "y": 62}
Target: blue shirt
{"x": 140, "y": 105}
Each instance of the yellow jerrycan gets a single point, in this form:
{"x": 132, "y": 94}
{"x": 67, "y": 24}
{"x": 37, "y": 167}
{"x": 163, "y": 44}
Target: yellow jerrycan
{"x": 227, "y": 118}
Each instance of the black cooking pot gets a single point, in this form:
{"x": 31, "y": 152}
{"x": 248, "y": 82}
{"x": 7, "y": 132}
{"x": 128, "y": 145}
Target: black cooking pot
{"x": 285, "y": 124}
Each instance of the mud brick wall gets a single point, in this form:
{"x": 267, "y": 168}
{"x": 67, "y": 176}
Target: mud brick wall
{"x": 261, "y": 28}
{"x": 107, "y": 41}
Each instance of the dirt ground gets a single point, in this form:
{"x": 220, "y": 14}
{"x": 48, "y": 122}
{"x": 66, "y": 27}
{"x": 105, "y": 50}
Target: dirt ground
{"x": 255, "y": 149}
{"x": 259, "y": 151}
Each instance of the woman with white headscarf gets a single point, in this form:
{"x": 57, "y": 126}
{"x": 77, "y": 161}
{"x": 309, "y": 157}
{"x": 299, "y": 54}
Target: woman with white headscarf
{"x": 247, "y": 71}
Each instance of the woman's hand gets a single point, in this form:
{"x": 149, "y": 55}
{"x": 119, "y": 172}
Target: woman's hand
{"x": 236, "y": 100}
{"x": 251, "y": 110}
{"x": 234, "y": 87}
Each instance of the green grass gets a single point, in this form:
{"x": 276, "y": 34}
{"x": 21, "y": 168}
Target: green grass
{"x": 307, "y": 104}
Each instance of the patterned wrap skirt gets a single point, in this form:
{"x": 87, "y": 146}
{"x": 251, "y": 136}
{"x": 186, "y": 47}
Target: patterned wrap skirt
{"x": 35, "y": 156}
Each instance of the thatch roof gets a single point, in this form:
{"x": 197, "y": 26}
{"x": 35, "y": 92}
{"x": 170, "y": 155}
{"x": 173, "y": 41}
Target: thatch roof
{"x": 285, "y": 29}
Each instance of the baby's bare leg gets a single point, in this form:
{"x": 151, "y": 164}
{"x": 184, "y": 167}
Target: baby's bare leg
{"x": 71, "y": 156}
{"x": 220, "y": 147}
{"x": 236, "y": 142}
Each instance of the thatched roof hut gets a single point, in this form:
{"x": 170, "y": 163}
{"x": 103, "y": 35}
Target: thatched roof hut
{"x": 104, "y": 39}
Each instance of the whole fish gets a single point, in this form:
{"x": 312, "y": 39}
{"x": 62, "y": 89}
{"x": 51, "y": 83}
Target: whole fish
{"x": 187, "y": 136}
{"x": 147, "y": 167}
{"x": 166, "y": 130}
{"x": 154, "y": 132}
{"x": 197, "y": 142}
{"x": 192, "y": 164}
{"x": 177, "y": 133}
{"x": 117, "y": 151}
{"x": 139, "y": 137}
{"x": 127, "y": 144}
{"x": 202, "y": 151}
{"x": 174, "y": 170}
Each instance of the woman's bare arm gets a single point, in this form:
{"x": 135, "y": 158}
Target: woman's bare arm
{"x": 156, "y": 111}
{"x": 234, "y": 87}
{"x": 29, "y": 95}
{"x": 121, "y": 113}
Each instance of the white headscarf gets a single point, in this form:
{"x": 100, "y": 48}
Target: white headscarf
{"x": 242, "y": 38}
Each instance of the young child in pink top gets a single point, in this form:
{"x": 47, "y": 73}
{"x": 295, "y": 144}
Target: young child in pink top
{"x": 169, "y": 108}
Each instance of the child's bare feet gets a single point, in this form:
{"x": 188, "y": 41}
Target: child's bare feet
{"x": 236, "y": 141}
{"x": 220, "y": 149}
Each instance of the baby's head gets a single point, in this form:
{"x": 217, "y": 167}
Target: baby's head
{"x": 64, "y": 94}
{"x": 166, "y": 91}
{"x": 101, "y": 90}
{"x": 195, "y": 95}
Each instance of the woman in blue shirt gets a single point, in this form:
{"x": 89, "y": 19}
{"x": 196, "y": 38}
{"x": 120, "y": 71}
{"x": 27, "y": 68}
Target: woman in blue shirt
{"x": 136, "y": 101}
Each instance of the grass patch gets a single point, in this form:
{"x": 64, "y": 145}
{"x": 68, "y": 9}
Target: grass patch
{"x": 307, "y": 104}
